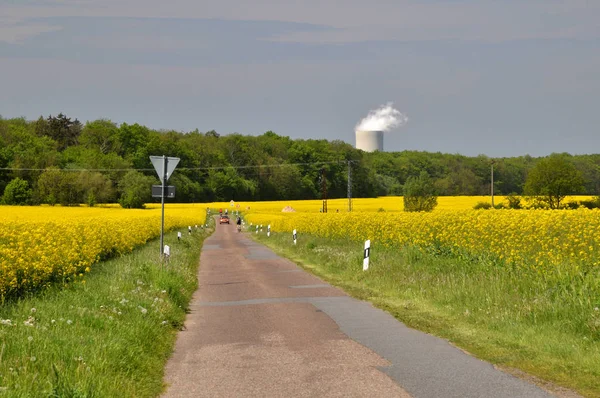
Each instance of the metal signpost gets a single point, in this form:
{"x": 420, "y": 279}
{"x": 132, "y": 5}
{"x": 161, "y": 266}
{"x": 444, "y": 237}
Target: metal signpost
{"x": 164, "y": 167}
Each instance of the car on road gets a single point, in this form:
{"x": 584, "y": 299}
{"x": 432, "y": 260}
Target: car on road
{"x": 224, "y": 219}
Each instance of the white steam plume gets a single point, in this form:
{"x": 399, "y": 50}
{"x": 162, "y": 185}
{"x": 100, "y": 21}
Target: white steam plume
{"x": 385, "y": 118}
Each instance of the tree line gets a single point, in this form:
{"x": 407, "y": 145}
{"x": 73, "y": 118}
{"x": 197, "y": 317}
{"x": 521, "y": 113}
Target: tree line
{"x": 59, "y": 160}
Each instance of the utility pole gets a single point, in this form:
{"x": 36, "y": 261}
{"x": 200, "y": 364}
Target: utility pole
{"x": 324, "y": 190}
{"x": 349, "y": 185}
{"x": 492, "y": 185}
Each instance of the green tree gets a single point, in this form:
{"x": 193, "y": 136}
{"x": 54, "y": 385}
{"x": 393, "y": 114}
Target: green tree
{"x": 131, "y": 139}
{"x": 102, "y": 135}
{"x": 552, "y": 179}
{"x": 135, "y": 189}
{"x": 228, "y": 185}
{"x": 419, "y": 193}
{"x": 286, "y": 182}
{"x": 58, "y": 186}
{"x": 61, "y": 129}
{"x": 389, "y": 185}
{"x": 95, "y": 188}
{"x": 17, "y": 192}
{"x": 187, "y": 190}
{"x": 22, "y": 149}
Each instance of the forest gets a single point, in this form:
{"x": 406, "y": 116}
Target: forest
{"x": 59, "y": 160}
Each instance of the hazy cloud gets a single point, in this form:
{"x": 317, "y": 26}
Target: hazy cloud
{"x": 360, "y": 20}
{"x": 14, "y": 31}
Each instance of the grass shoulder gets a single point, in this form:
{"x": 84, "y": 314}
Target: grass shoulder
{"x": 503, "y": 317}
{"x": 107, "y": 335}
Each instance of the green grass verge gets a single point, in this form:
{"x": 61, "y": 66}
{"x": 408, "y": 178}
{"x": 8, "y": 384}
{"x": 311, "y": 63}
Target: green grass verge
{"x": 109, "y": 335}
{"x": 516, "y": 321}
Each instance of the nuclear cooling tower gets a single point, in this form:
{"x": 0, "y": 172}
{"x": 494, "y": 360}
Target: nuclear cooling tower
{"x": 369, "y": 141}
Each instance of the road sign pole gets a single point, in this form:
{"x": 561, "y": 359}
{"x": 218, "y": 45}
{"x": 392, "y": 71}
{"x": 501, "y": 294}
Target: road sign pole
{"x": 164, "y": 166}
{"x": 162, "y": 202}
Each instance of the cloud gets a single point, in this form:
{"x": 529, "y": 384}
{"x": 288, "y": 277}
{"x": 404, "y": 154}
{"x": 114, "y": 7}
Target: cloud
{"x": 167, "y": 41}
{"x": 384, "y": 118}
{"x": 15, "y": 31}
{"x": 403, "y": 20}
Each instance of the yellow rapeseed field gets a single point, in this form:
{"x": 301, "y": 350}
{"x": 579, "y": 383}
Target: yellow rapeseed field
{"x": 39, "y": 245}
{"x": 540, "y": 240}
{"x": 387, "y": 203}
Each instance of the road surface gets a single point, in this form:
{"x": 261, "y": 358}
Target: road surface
{"x": 260, "y": 326}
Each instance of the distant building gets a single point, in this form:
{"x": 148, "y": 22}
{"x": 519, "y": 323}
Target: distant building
{"x": 369, "y": 141}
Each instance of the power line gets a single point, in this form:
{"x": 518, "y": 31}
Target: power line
{"x": 29, "y": 169}
{"x": 182, "y": 168}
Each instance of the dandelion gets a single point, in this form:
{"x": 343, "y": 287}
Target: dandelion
{"x": 119, "y": 313}
{"x": 164, "y": 291}
{"x": 29, "y": 322}
{"x": 33, "y": 310}
{"x": 32, "y": 359}
{"x": 6, "y": 322}
{"x": 53, "y": 321}
{"x": 69, "y": 322}
{"x": 123, "y": 301}
{"x": 596, "y": 309}
{"x": 164, "y": 322}
{"x": 30, "y": 339}
{"x": 143, "y": 310}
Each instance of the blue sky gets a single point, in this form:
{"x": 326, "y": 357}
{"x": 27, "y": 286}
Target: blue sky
{"x": 500, "y": 78}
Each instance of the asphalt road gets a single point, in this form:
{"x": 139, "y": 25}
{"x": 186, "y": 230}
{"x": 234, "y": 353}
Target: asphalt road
{"x": 260, "y": 326}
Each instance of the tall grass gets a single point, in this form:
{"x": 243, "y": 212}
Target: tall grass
{"x": 547, "y": 327}
{"x": 108, "y": 335}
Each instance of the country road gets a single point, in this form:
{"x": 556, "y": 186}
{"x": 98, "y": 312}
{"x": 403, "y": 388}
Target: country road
{"x": 260, "y": 326}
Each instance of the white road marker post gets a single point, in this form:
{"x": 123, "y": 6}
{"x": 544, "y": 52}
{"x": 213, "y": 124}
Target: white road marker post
{"x": 269, "y": 230}
{"x": 167, "y": 251}
{"x": 295, "y": 236}
{"x": 256, "y": 228}
{"x": 178, "y": 236}
{"x": 367, "y": 253}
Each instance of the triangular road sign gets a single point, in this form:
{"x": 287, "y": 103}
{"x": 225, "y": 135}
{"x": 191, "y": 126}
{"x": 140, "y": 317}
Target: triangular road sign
{"x": 158, "y": 162}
